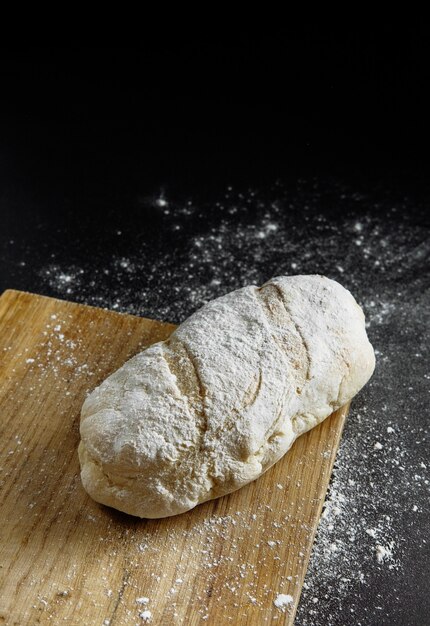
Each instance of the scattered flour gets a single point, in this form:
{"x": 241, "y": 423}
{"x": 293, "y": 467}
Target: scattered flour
{"x": 384, "y": 553}
{"x": 371, "y": 515}
{"x": 282, "y": 601}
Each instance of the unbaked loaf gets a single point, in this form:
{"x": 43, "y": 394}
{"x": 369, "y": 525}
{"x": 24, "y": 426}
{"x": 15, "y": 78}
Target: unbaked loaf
{"x": 214, "y": 406}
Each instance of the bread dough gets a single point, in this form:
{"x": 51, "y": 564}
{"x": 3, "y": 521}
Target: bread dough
{"x": 214, "y": 406}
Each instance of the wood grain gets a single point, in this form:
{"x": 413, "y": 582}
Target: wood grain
{"x": 66, "y": 560}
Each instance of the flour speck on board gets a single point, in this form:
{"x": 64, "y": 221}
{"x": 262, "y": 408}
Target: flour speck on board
{"x": 283, "y": 600}
{"x": 247, "y": 236}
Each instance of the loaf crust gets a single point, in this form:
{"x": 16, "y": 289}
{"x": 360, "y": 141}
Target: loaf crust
{"x": 214, "y": 406}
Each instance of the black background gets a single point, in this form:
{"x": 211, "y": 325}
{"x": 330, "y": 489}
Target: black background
{"x": 88, "y": 135}
{"x": 88, "y": 132}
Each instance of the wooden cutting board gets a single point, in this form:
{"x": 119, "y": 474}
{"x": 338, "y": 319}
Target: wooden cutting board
{"x": 66, "y": 560}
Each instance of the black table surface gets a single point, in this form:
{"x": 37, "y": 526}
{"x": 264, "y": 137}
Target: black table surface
{"x": 154, "y": 200}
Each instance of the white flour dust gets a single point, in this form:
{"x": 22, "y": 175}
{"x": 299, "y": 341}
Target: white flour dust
{"x": 374, "y": 513}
